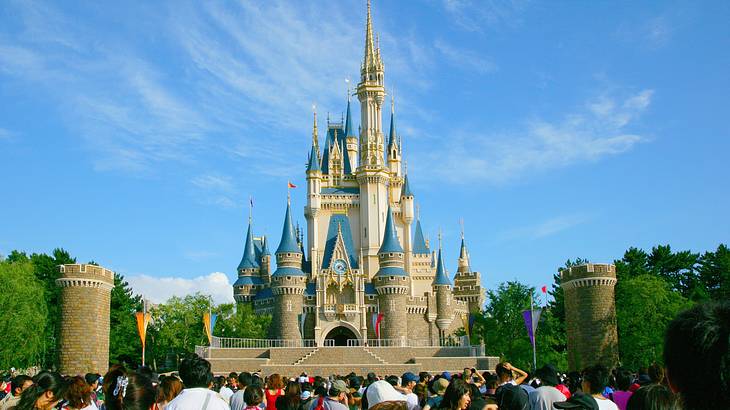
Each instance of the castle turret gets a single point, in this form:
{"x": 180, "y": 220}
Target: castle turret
{"x": 590, "y": 315}
{"x": 394, "y": 149}
{"x": 288, "y": 284}
{"x": 442, "y": 288}
{"x": 265, "y": 261}
{"x": 314, "y": 187}
{"x": 350, "y": 136}
{"x": 406, "y": 207}
{"x": 468, "y": 283}
{"x": 392, "y": 284}
{"x": 249, "y": 278}
{"x": 372, "y": 176}
{"x": 85, "y": 303}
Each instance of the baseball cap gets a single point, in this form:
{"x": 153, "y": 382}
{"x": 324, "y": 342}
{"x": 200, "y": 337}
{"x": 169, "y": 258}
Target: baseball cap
{"x": 409, "y": 377}
{"x": 446, "y": 375}
{"x": 578, "y": 401}
{"x": 548, "y": 374}
{"x": 382, "y": 391}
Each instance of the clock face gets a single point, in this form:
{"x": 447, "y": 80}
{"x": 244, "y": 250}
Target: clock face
{"x": 339, "y": 266}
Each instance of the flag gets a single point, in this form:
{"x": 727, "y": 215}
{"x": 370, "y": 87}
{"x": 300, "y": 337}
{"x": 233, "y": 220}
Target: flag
{"x": 302, "y": 319}
{"x": 209, "y": 325}
{"x": 472, "y": 319}
{"x": 250, "y": 201}
{"x": 465, "y": 320}
{"x": 544, "y": 289}
{"x": 531, "y": 320}
{"x": 377, "y": 325}
{"x": 143, "y": 319}
{"x": 291, "y": 185}
{"x": 374, "y": 320}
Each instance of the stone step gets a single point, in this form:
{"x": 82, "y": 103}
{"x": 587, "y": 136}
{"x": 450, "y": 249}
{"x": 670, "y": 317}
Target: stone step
{"x": 341, "y": 355}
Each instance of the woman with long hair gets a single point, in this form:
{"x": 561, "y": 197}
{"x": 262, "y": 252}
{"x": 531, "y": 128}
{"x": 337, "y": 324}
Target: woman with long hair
{"x": 47, "y": 390}
{"x": 128, "y": 391}
{"x": 291, "y": 399}
{"x": 78, "y": 395}
{"x": 274, "y": 389}
{"x": 168, "y": 389}
{"x": 457, "y": 396}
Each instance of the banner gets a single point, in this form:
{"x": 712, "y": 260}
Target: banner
{"x": 209, "y": 324}
{"x": 472, "y": 319}
{"x": 465, "y": 320}
{"x": 143, "y": 319}
{"x": 302, "y": 319}
{"x": 377, "y": 325}
{"x": 531, "y": 320}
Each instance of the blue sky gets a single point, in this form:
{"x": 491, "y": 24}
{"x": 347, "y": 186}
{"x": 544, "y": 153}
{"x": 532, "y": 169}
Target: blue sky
{"x": 134, "y": 133}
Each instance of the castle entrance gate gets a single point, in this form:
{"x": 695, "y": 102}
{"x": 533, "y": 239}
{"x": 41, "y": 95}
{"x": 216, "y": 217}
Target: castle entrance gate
{"x": 340, "y": 335}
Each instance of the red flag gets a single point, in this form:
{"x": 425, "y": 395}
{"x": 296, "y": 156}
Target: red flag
{"x": 544, "y": 289}
{"x": 291, "y": 185}
{"x": 377, "y": 325}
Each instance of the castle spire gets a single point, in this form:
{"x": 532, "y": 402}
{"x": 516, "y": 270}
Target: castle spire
{"x": 288, "y": 242}
{"x": 369, "y": 46}
{"x": 348, "y": 120}
{"x": 392, "y": 139}
{"x": 248, "y": 261}
{"x": 390, "y": 238}
{"x": 315, "y": 134}
{"x": 441, "y": 278}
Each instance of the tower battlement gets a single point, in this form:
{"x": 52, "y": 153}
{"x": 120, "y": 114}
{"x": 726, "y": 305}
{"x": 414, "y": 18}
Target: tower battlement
{"x": 86, "y": 271}
{"x": 589, "y": 274}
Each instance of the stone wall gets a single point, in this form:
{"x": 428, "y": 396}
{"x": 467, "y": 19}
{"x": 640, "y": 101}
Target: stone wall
{"x": 590, "y": 315}
{"x": 85, "y": 304}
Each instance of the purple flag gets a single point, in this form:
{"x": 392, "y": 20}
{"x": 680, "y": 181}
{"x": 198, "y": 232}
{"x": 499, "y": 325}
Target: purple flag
{"x": 531, "y": 321}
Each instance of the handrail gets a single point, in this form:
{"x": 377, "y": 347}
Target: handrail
{"x": 242, "y": 343}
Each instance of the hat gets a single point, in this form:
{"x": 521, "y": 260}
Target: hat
{"x": 381, "y": 391}
{"x": 578, "y": 401}
{"x": 510, "y": 396}
{"x": 337, "y": 387}
{"x": 409, "y": 377}
{"x": 446, "y": 375}
{"x": 440, "y": 385}
{"x": 548, "y": 375}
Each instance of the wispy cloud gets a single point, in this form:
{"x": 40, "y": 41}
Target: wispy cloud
{"x": 653, "y": 33}
{"x": 465, "y": 59}
{"x": 546, "y": 228}
{"x": 215, "y": 189}
{"x": 6, "y": 134}
{"x": 478, "y": 15}
{"x": 198, "y": 256}
{"x": 590, "y": 134}
{"x": 160, "y": 289}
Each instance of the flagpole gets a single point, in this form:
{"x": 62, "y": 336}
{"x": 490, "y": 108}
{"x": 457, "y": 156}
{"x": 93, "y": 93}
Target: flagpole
{"x": 210, "y": 318}
{"x": 534, "y": 336}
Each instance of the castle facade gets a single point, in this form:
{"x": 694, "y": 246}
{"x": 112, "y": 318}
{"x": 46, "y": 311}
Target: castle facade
{"x": 365, "y": 264}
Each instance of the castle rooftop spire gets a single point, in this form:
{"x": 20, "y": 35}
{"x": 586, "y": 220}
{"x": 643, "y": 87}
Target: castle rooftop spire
{"x": 248, "y": 261}
{"x": 441, "y": 278}
{"x": 390, "y": 238}
{"x": 288, "y": 242}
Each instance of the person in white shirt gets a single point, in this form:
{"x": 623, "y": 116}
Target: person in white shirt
{"x": 544, "y": 396}
{"x": 407, "y": 383}
{"x": 595, "y": 379}
{"x": 197, "y": 378}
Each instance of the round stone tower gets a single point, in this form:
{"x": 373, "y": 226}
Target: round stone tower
{"x": 392, "y": 285}
{"x": 85, "y": 302}
{"x": 288, "y": 284}
{"x": 590, "y": 315}
{"x": 442, "y": 288}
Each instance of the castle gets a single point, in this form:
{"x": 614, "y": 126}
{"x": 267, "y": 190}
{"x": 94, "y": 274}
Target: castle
{"x": 363, "y": 265}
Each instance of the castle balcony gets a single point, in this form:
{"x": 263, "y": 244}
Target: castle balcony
{"x": 332, "y": 311}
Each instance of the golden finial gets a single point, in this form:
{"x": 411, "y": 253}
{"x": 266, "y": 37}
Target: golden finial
{"x": 461, "y": 222}
{"x": 440, "y": 237}
{"x": 347, "y": 80}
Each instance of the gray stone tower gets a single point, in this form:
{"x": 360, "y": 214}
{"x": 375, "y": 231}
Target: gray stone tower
{"x": 392, "y": 284}
{"x": 442, "y": 289}
{"x": 288, "y": 284}
{"x": 467, "y": 283}
{"x": 85, "y": 302}
{"x": 590, "y": 315}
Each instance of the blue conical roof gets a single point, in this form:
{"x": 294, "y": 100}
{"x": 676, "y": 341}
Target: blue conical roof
{"x": 391, "y": 137}
{"x": 390, "y": 238}
{"x": 265, "y": 247}
{"x": 419, "y": 242}
{"x": 288, "y": 242}
{"x": 441, "y": 278}
{"x": 348, "y": 122}
{"x": 249, "y": 255}
{"x": 314, "y": 160}
{"x": 406, "y": 190}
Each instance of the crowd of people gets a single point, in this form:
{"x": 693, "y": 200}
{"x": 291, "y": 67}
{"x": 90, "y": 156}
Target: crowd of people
{"x": 696, "y": 376}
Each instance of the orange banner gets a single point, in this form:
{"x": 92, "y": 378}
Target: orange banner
{"x": 143, "y": 319}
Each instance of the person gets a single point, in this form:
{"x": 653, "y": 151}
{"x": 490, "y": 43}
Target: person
{"x": 334, "y": 399}
{"x": 168, "y": 389}
{"x": 408, "y": 382}
{"x": 197, "y": 378}
{"x": 92, "y": 379}
{"x": 623, "y": 383}
{"x": 578, "y": 401}
{"x": 274, "y": 389}
{"x": 244, "y": 380}
{"x": 477, "y": 400}
{"x": 381, "y": 395}
{"x": 46, "y": 391}
{"x": 511, "y": 397}
{"x": 656, "y": 373}
{"x": 438, "y": 386}
{"x": 131, "y": 391}
{"x": 78, "y": 395}
{"x": 505, "y": 372}
{"x": 595, "y": 379}
{"x": 654, "y": 397}
{"x": 697, "y": 356}
{"x": 225, "y": 390}
{"x": 253, "y": 396}
{"x": 18, "y": 384}
{"x": 291, "y": 399}
{"x": 457, "y": 396}
{"x": 543, "y": 397}
{"x": 306, "y": 397}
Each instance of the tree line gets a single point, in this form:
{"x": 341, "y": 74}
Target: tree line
{"x": 652, "y": 288}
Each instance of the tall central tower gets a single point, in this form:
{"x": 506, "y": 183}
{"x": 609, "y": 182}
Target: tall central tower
{"x": 372, "y": 175}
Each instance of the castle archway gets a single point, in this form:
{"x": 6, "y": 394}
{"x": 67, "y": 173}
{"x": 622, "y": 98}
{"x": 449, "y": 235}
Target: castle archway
{"x": 340, "y": 335}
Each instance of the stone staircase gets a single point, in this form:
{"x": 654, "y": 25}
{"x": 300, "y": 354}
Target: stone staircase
{"x": 353, "y": 355}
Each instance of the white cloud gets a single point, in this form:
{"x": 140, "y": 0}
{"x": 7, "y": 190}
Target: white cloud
{"x": 465, "y": 59}
{"x": 547, "y": 227}
{"x": 5, "y": 134}
{"x": 215, "y": 182}
{"x": 588, "y": 135}
{"x": 160, "y": 289}
{"x": 477, "y": 15}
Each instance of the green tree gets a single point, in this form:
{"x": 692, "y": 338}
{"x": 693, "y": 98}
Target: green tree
{"x": 124, "y": 341}
{"x": 23, "y": 343}
{"x": 714, "y": 272}
{"x": 645, "y": 305}
{"x": 241, "y": 321}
